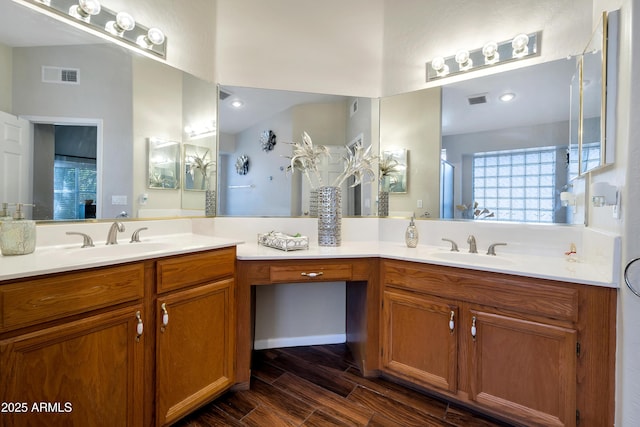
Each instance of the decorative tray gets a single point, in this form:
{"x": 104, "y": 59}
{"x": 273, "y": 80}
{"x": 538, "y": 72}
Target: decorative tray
{"x": 282, "y": 241}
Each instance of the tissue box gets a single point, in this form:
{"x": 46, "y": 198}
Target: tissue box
{"x": 282, "y": 241}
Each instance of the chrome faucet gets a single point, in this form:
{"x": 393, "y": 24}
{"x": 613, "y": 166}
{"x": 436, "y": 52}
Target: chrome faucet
{"x": 492, "y": 248}
{"x": 454, "y": 247}
{"x": 112, "y": 237}
{"x": 135, "y": 237}
{"x": 87, "y": 241}
{"x": 471, "y": 240}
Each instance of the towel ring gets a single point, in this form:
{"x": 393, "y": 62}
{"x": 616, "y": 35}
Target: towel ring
{"x": 626, "y": 277}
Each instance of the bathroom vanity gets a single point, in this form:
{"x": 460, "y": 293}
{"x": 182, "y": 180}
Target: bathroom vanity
{"x": 145, "y": 333}
{"x": 124, "y": 344}
{"x": 529, "y": 350}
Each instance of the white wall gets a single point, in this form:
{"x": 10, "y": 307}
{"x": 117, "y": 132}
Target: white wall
{"x": 329, "y": 46}
{"x": 6, "y": 77}
{"x": 105, "y": 75}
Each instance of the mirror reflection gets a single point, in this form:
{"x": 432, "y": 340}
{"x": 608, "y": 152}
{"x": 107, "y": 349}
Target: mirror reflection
{"x": 56, "y": 78}
{"x": 251, "y": 119}
{"x": 507, "y": 137}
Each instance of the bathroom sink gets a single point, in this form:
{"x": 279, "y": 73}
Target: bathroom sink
{"x": 100, "y": 251}
{"x": 469, "y": 258}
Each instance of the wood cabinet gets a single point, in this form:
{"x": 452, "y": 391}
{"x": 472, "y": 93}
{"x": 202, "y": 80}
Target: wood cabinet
{"x": 420, "y": 340}
{"x": 509, "y": 346}
{"x": 195, "y": 339}
{"x": 136, "y": 344}
{"x": 82, "y": 369}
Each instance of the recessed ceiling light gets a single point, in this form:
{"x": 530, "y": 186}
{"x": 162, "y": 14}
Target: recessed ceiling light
{"x": 507, "y": 97}
{"x": 237, "y": 103}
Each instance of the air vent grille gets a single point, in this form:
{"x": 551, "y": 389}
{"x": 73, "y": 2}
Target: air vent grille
{"x": 477, "y": 99}
{"x": 60, "y": 75}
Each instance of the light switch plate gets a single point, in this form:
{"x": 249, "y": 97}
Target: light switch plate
{"x": 119, "y": 200}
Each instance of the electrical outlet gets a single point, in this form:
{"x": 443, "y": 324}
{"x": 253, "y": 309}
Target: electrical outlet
{"x": 420, "y": 203}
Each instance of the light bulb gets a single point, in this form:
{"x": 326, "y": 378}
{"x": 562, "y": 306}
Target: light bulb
{"x": 520, "y": 45}
{"x": 85, "y": 9}
{"x": 507, "y": 97}
{"x": 463, "y": 60}
{"x": 490, "y": 52}
{"x": 124, "y": 22}
{"x": 154, "y": 36}
{"x": 439, "y": 66}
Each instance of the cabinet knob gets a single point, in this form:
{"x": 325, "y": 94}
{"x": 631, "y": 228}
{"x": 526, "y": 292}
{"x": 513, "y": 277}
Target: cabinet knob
{"x": 319, "y": 273}
{"x": 139, "y": 326}
{"x": 474, "y": 330}
{"x": 452, "y": 324}
{"x": 165, "y": 316}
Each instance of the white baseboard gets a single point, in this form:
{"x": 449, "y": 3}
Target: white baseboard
{"x": 299, "y": 341}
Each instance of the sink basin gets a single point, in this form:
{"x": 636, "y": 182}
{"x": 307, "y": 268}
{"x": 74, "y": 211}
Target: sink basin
{"x": 476, "y": 259}
{"x": 119, "y": 250}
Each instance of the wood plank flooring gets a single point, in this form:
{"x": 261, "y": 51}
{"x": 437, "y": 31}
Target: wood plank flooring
{"x": 320, "y": 386}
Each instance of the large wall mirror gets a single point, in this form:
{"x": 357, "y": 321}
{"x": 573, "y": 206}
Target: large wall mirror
{"x": 259, "y": 125}
{"x": 86, "y": 109}
{"x": 503, "y": 151}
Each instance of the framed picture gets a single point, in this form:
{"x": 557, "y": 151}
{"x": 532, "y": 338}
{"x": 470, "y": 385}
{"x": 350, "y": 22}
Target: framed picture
{"x": 396, "y": 177}
{"x": 164, "y": 164}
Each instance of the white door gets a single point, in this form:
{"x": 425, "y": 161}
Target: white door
{"x": 16, "y": 151}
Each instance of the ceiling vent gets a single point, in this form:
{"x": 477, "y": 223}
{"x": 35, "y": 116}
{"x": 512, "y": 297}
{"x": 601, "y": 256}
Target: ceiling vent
{"x": 224, "y": 95}
{"x": 60, "y": 75}
{"x": 477, "y": 99}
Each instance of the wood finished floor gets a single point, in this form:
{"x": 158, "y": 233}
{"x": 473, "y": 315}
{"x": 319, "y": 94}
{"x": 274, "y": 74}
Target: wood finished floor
{"x": 320, "y": 386}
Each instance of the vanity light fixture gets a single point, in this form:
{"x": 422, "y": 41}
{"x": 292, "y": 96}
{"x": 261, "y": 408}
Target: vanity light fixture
{"x": 124, "y": 22}
{"x": 154, "y": 37}
{"x": 464, "y": 60}
{"x": 520, "y": 46}
{"x": 200, "y": 130}
{"x": 89, "y": 16}
{"x": 490, "y": 54}
{"x": 85, "y": 9}
{"x": 439, "y": 66}
{"x": 506, "y": 97}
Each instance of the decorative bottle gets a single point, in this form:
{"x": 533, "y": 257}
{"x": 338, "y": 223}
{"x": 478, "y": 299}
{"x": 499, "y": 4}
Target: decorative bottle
{"x": 18, "y": 236}
{"x": 411, "y": 235}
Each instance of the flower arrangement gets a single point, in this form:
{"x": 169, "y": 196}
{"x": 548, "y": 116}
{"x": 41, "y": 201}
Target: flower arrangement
{"x": 306, "y": 157}
{"x": 387, "y": 165}
{"x": 474, "y": 212}
{"x": 200, "y": 163}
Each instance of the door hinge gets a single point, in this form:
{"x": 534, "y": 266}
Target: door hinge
{"x": 578, "y": 349}
{"x": 577, "y": 417}
{"x": 382, "y": 303}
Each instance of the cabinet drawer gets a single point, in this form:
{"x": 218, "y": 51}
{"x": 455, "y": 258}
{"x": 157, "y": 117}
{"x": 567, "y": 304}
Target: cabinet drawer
{"x": 186, "y": 270}
{"x": 39, "y": 300}
{"x": 310, "y": 272}
{"x": 521, "y": 294}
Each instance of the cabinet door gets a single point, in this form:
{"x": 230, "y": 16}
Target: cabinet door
{"x": 194, "y": 348}
{"x": 419, "y": 339}
{"x": 87, "y": 372}
{"x": 523, "y": 368}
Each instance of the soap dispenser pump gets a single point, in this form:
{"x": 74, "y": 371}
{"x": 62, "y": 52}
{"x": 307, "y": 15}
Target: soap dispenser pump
{"x": 18, "y": 236}
{"x": 411, "y": 235}
{"x": 4, "y": 213}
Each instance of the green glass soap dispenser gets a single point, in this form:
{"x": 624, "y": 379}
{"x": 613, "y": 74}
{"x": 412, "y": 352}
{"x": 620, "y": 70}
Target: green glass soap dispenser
{"x": 411, "y": 235}
{"x": 18, "y": 236}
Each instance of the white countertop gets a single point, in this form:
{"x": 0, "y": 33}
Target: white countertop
{"x": 552, "y": 267}
{"x": 55, "y": 259}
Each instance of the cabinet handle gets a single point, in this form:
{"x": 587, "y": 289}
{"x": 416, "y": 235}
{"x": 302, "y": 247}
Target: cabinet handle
{"x": 139, "y": 326}
{"x": 474, "y": 330}
{"x": 452, "y": 324}
{"x": 319, "y": 273}
{"x": 165, "y": 316}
